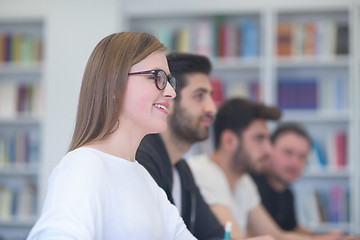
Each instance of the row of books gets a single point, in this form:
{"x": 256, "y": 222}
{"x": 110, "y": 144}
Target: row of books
{"x": 19, "y": 100}
{"x": 294, "y": 93}
{"x": 315, "y": 38}
{"x": 311, "y": 93}
{"x": 18, "y": 203}
{"x": 19, "y": 47}
{"x": 323, "y": 205}
{"x": 19, "y": 150}
{"x": 215, "y": 38}
{"x": 330, "y": 156}
{"x": 223, "y": 90}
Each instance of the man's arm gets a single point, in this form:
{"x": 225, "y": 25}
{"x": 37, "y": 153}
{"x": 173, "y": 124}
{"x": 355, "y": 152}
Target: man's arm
{"x": 260, "y": 223}
{"x": 330, "y": 235}
{"x": 224, "y": 215}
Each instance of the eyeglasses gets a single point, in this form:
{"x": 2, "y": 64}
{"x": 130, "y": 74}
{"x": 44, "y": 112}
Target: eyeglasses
{"x": 160, "y": 77}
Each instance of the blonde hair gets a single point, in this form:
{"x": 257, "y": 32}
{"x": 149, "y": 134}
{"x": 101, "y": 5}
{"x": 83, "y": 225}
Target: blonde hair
{"x": 104, "y": 83}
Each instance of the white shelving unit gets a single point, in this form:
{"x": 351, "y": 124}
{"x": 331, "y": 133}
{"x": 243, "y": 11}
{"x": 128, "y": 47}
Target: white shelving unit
{"x": 355, "y": 154}
{"x": 266, "y": 68}
{"x": 20, "y": 125}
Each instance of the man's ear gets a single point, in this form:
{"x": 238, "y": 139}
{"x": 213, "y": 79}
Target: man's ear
{"x": 229, "y": 140}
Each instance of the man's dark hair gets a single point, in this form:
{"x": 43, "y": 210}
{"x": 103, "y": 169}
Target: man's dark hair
{"x": 181, "y": 64}
{"x": 290, "y": 128}
{"x": 237, "y": 114}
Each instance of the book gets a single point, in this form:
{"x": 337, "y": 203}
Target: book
{"x": 284, "y": 39}
{"x": 310, "y": 39}
{"x": 315, "y": 205}
{"x": 8, "y": 101}
{"x": 298, "y": 39}
{"x": 217, "y": 88}
{"x": 340, "y": 147}
{"x": 25, "y": 201}
{"x": 6, "y": 197}
{"x": 203, "y": 41}
{"x": 165, "y": 37}
{"x": 20, "y": 143}
{"x": 296, "y": 93}
{"x": 342, "y": 39}
{"x": 183, "y": 40}
{"x": 250, "y": 39}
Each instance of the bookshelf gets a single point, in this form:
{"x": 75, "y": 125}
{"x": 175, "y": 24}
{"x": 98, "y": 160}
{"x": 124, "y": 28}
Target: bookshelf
{"x": 292, "y": 46}
{"x": 20, "y": 123}
{"x": 313, "y": 57}
{"x": 356, "y": 103}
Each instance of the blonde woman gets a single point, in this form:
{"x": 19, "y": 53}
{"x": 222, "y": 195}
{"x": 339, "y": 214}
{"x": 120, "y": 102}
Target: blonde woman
{"x": 98, "y": 190}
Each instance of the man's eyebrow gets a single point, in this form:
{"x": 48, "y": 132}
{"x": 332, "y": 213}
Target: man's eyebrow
{"x": 203, "y": 90}
{"x": 262, "y": 135}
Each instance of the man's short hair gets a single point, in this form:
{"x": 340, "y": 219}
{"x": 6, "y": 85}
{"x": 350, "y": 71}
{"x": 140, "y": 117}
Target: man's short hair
{"x": 181, "y": 64}
{"x": 290, "y": 128}
{"x": 237, "y": 114}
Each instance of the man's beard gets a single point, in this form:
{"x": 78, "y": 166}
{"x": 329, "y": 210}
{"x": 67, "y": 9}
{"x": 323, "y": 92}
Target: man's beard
{"x": 181, "y": 125}
{"x": 240, "y": 161}
{"x": 279, "y": 179}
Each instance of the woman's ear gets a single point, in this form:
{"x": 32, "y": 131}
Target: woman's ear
{"x": 229, "y": 140}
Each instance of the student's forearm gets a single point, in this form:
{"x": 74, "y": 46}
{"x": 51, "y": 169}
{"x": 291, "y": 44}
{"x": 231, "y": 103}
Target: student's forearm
{"x": 294, "y": 236}
{"x": 223, "y": 215}
{"x": 301, "y": 229}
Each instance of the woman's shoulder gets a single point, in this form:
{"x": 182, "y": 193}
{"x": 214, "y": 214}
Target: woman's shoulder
{"x": 82, "y": 162}
{"x": 83, "y": 155}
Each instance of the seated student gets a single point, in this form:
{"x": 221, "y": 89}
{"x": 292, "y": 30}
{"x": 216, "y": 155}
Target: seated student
{"x": 291, "y": 146}
{"x": 98, "y": 190}
{"x": 242, "y": 145}
{"x": 161, "y": 154}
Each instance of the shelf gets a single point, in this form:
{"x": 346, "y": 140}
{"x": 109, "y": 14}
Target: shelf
{"x": 21, "y": 121}
{"x": 313, "y": 62}
{"x": 17, "y": 171}
{"x": 21, "y": 68}
{"x": 15, "y": 222}
{"x": 326, "y": 174}
{"x": 236, "y": 63}
{"x": 314, "y": 116}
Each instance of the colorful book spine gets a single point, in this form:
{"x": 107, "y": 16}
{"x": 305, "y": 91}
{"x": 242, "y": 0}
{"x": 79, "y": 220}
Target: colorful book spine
{"x": 297, "y": 94}
{"x": 20, "y": 48}
{"x": 320, "y": 38}
{"x": 19, "y": 150}
{"x": 322, "y": 205}
{"x": 217, "y": 87}
{"x": 331, "y": 155}
{"x": 18, "y": 202}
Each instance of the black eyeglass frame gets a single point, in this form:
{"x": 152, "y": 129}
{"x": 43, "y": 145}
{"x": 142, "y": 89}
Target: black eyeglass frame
{"x": 172, "y": 80}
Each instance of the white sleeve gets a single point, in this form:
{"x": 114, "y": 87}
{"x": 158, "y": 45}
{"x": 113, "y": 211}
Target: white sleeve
{"x": 175, "y": 225}
{"x": 248, "y": 186}
{"x": 174, "y": 219}
{"x": 76, "y": 185}
{"x": 211, "y": 181}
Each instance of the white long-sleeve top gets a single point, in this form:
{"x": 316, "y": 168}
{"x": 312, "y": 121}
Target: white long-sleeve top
{"x": 94, "y": 195}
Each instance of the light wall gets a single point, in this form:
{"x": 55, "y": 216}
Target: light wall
{"x": 72, "y": 30}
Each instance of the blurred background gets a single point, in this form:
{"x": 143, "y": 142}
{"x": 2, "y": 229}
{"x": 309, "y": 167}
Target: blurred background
{"x": 302, "y": 56}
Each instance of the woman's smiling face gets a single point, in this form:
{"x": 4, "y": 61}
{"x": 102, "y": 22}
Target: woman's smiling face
{"x": 145, "y": 106}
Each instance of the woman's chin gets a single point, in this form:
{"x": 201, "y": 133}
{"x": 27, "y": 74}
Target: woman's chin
{"x": 159, "y": 128}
